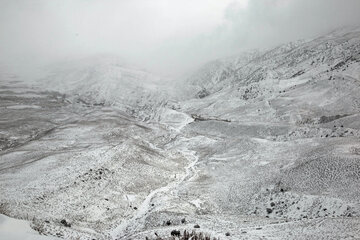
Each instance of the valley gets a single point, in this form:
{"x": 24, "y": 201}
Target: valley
{"x": 265, "y": 145}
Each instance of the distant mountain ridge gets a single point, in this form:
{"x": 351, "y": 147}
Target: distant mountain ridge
{"x": 334, "y": 51}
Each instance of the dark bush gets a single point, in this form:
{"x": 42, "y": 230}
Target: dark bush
{"x": 65, "y": 223}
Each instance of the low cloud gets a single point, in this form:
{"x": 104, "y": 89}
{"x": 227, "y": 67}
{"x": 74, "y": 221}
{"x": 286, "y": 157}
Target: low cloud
{"x": 170, "y": 37}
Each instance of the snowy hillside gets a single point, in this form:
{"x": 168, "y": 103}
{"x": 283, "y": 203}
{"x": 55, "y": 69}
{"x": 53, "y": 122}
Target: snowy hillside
{"x": 264, "y": 145}
{"x": 108, "y": 81}
{"x": 333, "y": 52}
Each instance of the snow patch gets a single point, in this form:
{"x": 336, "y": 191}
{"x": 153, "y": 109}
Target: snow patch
{"x": 14, "y": 229}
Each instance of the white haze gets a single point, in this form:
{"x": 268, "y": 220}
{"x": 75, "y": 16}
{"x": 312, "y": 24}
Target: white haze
{"x": 168, "y": 37}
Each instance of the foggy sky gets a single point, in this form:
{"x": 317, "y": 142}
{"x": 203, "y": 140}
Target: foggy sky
{"x": 164, "y": 36}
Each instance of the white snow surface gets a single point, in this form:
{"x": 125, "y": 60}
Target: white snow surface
{"x": 13, "y": 229}
{"x": 264, "y": 145}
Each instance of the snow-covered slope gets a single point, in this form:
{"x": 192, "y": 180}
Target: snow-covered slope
{"x": 325, "y": 65}
{"x": 264, "y": 146}
{"x": 285, "y": 130}
{"x": 108, "y": 81}
{"x": 332, "y": 53}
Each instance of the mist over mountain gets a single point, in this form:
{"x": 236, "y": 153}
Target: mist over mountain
{"x": 182, "y": 120}
{"x": 167, "y": 38}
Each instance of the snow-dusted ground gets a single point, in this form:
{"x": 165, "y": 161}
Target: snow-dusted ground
{"x": 13, "y": 229}
{"x": 262, "y": 146}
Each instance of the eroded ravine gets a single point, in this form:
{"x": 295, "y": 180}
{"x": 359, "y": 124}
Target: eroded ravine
{"x": 136, "y": 223}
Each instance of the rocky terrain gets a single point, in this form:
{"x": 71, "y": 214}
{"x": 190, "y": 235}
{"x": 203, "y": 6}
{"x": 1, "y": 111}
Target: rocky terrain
{"x": 264, "y": 145}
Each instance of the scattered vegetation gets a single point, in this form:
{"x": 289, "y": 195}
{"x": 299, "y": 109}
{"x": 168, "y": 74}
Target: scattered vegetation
{"x": 198, "y": 118}
{"x": 326, "y": 119}
{"x": 203, "y": 93}
{"x": 301, "y": 72}
{"x": 177, "y": 235}
{"x": 65, "y": 223}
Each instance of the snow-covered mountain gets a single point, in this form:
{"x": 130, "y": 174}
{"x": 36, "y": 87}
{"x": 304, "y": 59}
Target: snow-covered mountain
{"x": 106, "y": 80}
{"x": 332, "y": 52}
{"x": 264, "y": 145}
